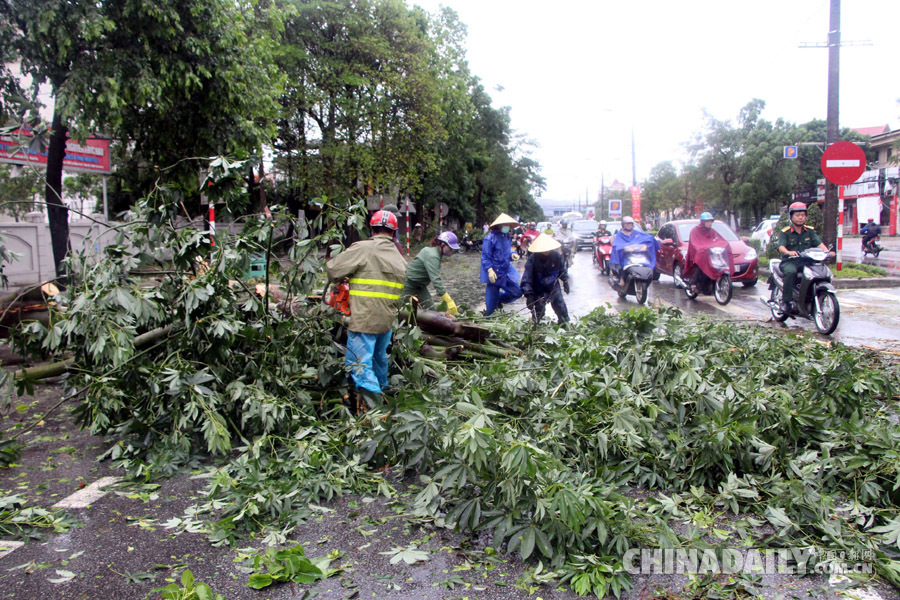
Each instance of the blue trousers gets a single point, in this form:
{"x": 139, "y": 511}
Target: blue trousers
{"x": 495, "y": 293}
{"x": 367, "y": 359}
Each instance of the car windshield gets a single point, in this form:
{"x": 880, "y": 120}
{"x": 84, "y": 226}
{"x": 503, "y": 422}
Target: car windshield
{"x": 584, "y": 226}
{"x": 614, "y": 226}
{"x": 684, "y": 230}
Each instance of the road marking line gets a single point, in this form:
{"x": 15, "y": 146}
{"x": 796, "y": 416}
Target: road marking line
{"x": 7, "y": 547}
{"x": 879, "y": 294}
{"x": 728, "y": 308}
{"x": 864, "y": 593}
{"x": 88, "y": 495}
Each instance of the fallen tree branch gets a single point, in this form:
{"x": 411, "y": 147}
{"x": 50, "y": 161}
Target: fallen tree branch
{"x": 63, "y": 366}
{"x": 487, "y": 349}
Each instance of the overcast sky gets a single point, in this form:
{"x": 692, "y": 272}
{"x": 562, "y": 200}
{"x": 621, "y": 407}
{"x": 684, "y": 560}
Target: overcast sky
{"x": 579, "y": 74}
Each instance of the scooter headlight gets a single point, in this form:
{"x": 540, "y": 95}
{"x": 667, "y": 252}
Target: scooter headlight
{"x": 717, "y": 259}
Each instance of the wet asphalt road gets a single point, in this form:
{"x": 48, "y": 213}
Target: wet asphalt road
{"x": 869, "y": 317}
{"x": 889, "y": 258}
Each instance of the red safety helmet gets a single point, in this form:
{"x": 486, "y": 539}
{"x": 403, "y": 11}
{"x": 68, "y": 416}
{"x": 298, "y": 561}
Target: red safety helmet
{"x": 796, "y": 207}
{"x": 383, "y": 218}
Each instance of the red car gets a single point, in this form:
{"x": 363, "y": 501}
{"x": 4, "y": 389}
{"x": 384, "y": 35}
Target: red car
{"x": 670, "y": 257}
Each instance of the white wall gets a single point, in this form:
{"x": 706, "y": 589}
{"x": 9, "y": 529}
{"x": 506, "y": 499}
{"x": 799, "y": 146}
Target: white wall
{"x": 31, "y": 241}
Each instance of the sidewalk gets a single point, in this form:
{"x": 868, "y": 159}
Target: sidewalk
{"x": 868, "y": 282}
{"x": 889, "y": 260}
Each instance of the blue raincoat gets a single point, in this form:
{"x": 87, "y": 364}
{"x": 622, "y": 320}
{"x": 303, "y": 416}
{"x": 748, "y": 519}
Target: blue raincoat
{"x": 495, "y": 254}
{"x": 637, "y": 237}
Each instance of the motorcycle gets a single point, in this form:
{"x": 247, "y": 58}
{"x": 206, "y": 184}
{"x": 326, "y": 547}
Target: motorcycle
{"x": 467, "y": 243}
{"x": 523, "y": 241}
{"x": 720, "y": 287}
{"x": 568, "y": 251}
{"x": 636, "y": 271}
{"x": 873, "y": 247}
{"x": 602, "y": 251}
{"x": 814, "y": 295}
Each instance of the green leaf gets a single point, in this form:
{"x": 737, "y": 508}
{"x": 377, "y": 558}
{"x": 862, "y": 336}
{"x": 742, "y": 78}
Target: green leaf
{"x": 64, "y": 576}
{"x": 187, "y": 579}
{"x": 259, "y": 581}
{"x": 890, "y": 532}
{"x": 409, "y": 555}
{"x": 527, "y": 545}
{"x": 204, "y": 592}
{"x": 543, "y": 543}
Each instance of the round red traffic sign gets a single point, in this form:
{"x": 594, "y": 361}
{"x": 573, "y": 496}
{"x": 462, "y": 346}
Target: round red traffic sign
{"x": 843, "y": 163}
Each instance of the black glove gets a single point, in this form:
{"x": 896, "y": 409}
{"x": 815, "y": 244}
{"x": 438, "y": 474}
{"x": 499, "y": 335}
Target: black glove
{"x": 530, "y": 299}
{"x": 566, "y": 286}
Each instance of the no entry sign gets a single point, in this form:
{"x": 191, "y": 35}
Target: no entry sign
{"x": 843, "y": 163}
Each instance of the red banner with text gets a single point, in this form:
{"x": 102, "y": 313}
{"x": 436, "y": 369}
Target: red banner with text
{"x": 636, "y": 202}
{"x": 90, "y": 157}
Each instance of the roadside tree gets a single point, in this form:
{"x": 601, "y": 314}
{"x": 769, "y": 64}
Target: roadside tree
{"x": 171, "y": 80}
{"x": 360, "y": 106}
{"x": 662, "y": 192}
{"x": 19, "y": 191}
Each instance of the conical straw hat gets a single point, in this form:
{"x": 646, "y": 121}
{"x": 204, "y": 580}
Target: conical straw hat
{"x": 543, "y": 243}
{"x": 504, "y": 219}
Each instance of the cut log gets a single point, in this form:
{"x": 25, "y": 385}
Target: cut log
{"x": 438, "y": 323}
{"x": 487, "y": 350}
{"x": 429, "y": 351}
{"x": 62, "y": 366}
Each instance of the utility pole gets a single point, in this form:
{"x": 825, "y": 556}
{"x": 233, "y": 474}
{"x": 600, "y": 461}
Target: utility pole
{"x": 603, "y": 206}
{"x": 832, "y": 127}
{"x": 831, "y": 124}
{"x": 635, "y": 190}
{"x": 633, "y": 165}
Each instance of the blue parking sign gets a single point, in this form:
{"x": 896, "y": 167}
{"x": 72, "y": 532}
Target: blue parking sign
{"x": 790, "y": 151}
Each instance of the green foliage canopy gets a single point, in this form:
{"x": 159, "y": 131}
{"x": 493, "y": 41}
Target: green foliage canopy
{"x": 739, "y": 167}
{"x": 379, "y": 97}
{"x": 170, "y": 80}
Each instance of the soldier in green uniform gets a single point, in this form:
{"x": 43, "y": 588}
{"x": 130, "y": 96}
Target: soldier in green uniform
{"x": 425, "y": 268}
{"x": 793, "y": 240}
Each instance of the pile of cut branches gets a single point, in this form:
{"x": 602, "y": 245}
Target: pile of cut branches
{"x": 567, "y": 446}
